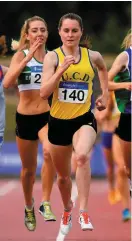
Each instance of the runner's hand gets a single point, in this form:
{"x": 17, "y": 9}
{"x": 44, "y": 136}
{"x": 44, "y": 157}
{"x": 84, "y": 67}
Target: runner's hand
{"x": 128, "y": 85}
{"x": 101, "y": 102}
{"x": 68, "y": 60}
{"x": 32, "y": 49}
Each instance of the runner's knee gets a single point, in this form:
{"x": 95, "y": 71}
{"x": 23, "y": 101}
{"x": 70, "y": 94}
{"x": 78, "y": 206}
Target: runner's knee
{"x": 63, "y": 179}
{"x": 27, "y": 173}
{"x": 81, "y": 159}
{"x": 121, "y": 171}
{"x": 46, "y": 152}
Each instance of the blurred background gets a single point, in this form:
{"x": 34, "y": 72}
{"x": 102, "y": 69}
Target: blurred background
{"x": 105, "y": 22}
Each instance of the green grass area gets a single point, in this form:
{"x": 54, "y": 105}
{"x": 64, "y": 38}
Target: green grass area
{"x": 5, "y": 60}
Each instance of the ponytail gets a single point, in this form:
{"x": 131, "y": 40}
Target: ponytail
{"x": 86, "y": 42}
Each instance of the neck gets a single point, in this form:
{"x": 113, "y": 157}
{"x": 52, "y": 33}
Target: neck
{"x": 71, "y": 50}
{"x": 40, "y": 53}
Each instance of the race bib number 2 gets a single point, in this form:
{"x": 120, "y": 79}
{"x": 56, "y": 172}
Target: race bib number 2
{"x": 36, "y": 74}
{"x": 73, "y": 92}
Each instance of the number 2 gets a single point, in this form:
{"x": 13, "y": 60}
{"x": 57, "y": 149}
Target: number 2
{"x": 38, "y": 77}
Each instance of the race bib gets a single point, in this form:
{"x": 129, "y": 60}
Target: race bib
{"x": 73, "y": 92}
{"x": 36, "y": 74}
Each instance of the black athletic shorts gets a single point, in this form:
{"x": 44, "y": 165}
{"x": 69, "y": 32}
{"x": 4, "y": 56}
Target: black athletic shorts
{"x": 61, "y": 131}
{"x": 28, "y": 126}
{"x": 124, "y": 127}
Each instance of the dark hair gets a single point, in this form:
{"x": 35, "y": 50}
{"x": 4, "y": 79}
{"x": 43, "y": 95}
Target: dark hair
{"x": 3, "y": 47}
{"x": 86, "y": 41}
{"x": 72, "y": 16}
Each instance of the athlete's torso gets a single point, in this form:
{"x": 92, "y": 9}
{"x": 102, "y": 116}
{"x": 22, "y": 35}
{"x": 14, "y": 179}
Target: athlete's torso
{"x": 73, "y": 94}
{"x": 29, "y": 82}
{"x": 123, "y": 96}
{"x": 30, "y": 78}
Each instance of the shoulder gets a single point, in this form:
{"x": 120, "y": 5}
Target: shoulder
{"x": 51, "y": 57}
{"x": 121, "y": 59}
{"x": 52, "y": 53}
{"x": 122, "y": 56}
{"x": 94, "y": 55}
{"x": 97, "y": 59}
{"x": 18, "y": 56}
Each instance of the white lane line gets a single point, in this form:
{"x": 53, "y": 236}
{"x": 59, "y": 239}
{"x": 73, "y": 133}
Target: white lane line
{"x": 8, "y": 187}
{"x": 60, "y": 236}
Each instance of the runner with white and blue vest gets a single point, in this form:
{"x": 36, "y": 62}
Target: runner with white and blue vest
{"x": 120, "y": 82}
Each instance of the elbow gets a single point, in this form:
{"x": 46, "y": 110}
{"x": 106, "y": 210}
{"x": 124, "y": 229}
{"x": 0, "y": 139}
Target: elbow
{"x": 6, "y": 85}
{"x": 43, "y": 94}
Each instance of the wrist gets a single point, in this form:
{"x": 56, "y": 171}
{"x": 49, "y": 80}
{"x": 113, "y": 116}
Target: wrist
{"x": 60, "y": 71}
{"x": 104, "y": 91}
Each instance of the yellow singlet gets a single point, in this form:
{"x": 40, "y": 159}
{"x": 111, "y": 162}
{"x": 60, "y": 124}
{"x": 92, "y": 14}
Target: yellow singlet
{"x": 72, "y": 96}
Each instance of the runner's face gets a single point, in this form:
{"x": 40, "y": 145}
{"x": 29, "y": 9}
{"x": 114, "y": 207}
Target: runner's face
{"x": 70, "y": 32}
{"x": 37, "y": 30}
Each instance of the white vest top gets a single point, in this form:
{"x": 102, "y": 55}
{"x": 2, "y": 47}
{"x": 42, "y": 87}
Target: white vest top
{"x": 30, "y": 77}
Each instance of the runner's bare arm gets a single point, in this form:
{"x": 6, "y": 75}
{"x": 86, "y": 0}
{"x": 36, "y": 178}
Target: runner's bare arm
{"x": 51, "y": 76}
{"x": 17, "y": 64}
{"x": 118, "y": 65}
{"x": 99, "y": 63}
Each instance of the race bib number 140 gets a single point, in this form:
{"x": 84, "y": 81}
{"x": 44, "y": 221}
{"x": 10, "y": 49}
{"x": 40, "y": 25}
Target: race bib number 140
{"x": 73, "y": 92}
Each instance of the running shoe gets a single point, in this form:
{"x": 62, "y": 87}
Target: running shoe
{"x": 84, "y": 221}
{"x": 126, "y": 215}
{"x": 30, "y": 220}
{"x": 66, "y": 223}
{"x": 46, "y": 212}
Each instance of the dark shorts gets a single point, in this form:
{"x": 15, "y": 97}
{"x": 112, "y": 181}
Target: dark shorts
{"x": 61, "y": 131}
{"x": 124, "y": 127}
{"x": 28, "y": 126}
